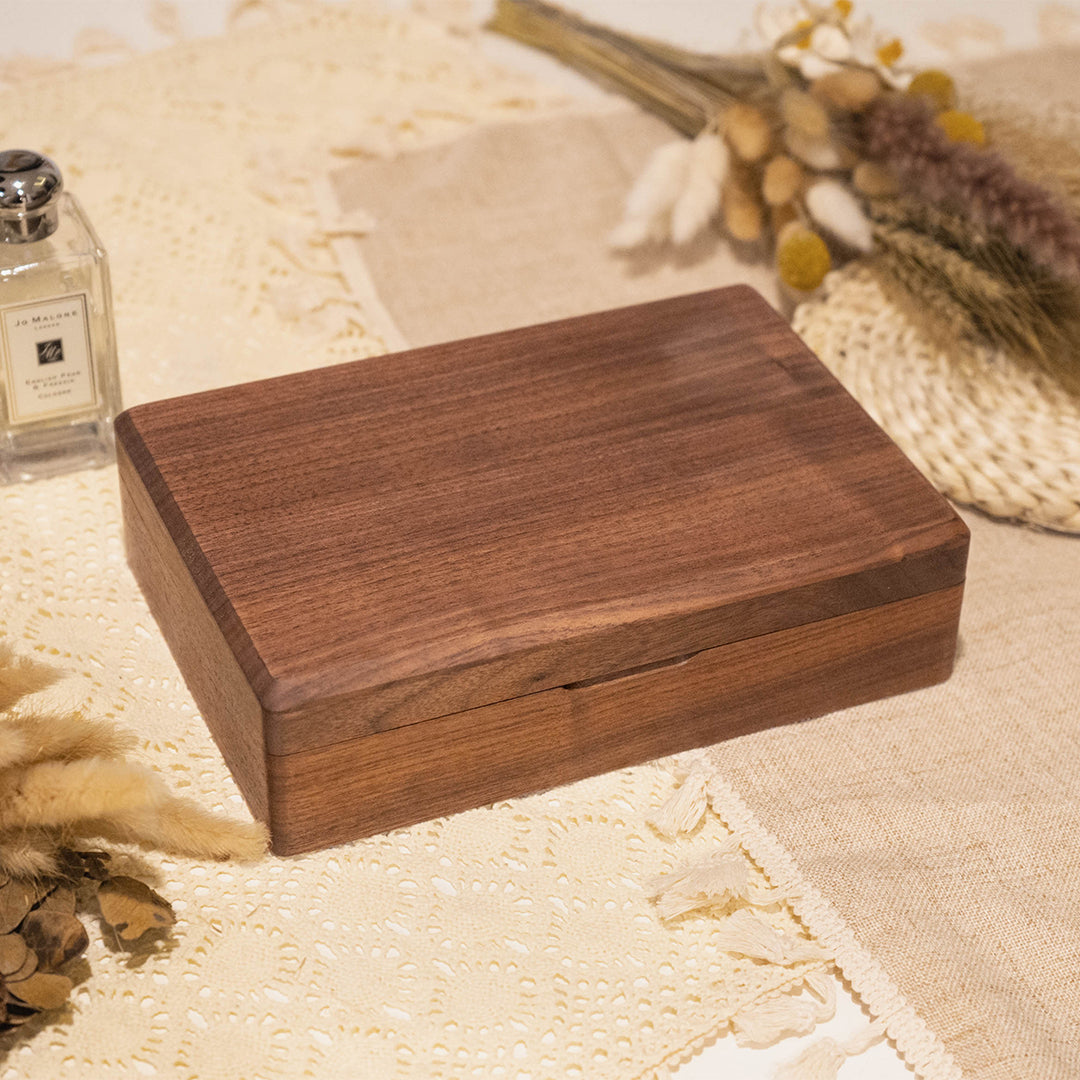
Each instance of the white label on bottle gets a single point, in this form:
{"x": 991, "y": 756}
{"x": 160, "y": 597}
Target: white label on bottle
{"x": 49, "y": 368}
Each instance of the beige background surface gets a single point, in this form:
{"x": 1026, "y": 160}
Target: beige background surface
{"x": 945, "y": 824}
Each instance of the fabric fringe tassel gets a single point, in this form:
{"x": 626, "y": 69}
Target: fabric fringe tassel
{"x": 823, "y": 1059}
{"x": 723, "y": 878}
{"x": 724, "y": 881}
{"x": 683, "y": 812}
{"x": 782, "y": 1017}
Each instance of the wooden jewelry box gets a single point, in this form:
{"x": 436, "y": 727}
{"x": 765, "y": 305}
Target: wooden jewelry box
{"x": 415, "y": 584}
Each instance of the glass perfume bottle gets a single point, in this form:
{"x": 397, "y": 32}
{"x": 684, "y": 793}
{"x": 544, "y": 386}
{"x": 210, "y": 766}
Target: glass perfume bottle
{"x": 59, "y": 384}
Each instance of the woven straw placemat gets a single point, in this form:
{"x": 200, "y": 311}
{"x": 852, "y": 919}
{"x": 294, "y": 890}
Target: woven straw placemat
{"x": 986, "y": 429}
{"x": 989, "y": 430}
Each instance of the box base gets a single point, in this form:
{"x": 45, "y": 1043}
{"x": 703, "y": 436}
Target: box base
{"x": 468, "y": 759}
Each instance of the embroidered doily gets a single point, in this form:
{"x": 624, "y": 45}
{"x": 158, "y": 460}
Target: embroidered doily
{"x": 517, "y": 940}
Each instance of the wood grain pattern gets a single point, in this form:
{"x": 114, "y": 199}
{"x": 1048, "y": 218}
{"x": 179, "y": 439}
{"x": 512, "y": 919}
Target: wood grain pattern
{"x": 453, "y": 763}
{"x": 478, "y": 550}
{"x": 433, "y": 531}
{"x": 218, "y": 685}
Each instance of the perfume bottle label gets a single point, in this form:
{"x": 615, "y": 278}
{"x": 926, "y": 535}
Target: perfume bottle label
{"x": 48, "y": 366}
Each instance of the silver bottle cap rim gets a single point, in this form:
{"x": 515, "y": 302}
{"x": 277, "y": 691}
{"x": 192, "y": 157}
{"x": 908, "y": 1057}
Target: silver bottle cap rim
{"x": 30, "y": 185}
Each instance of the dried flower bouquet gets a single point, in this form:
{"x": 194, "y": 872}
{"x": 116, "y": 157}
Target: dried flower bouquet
{"x": 825, "y": 147}
{"x": 65, "y": 779}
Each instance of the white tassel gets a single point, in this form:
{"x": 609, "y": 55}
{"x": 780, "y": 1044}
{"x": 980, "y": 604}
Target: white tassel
{"x": 687, "y": 806}
{"x": 823, "y": 1059}
{"x": 839, "y": 212}
{"x": 724, "y": 878}
{"x": 780, "y": 1017}
{"x": 654, "y": 194}
{"x": 746, "y": 934}
{"x": 776, "y": 1019}
{"x": 819, "y": 1061}
{"x": 682, "y": 765}
{"x": 823, "y": 986}
{"x": 700, "y": 198}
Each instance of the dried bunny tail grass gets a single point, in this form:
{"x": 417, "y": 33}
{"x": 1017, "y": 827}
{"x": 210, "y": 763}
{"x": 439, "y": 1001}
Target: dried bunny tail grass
{"x": 743, "y": 214}
{"x": 14, "y": 746}
{"x": 782, "y": 180}
{"x": 851, "y": 89}
{"x": 803, "y": 112}
{"x": 21, "y": 675}
{"x": 103, "y": 797}
{"x": 661, "y": 181}
{"x": 903, "y": 133}
{"x": 748, "y": 131}
{"x": 181, "y": 827}
{"x": 874, "y": 181}
{"x": 46, "y": 736}
{"x": 647, "y": 214}
{"x": 820, "y": 154}
{"x": 53, "y": 794}
{"x": 28, "y": 853}
{"x": 676, "y": 195}
{"x": 700, "y": 198}
{"x": 839, "y": 213}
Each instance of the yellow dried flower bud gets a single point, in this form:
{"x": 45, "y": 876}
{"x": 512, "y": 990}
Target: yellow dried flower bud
{"x": 874, "y": 180}
{"x": 890, "y": 52}
{"x": 935, "y": 85}
{"x": 851, "y": 89}
{"x": 802, "y": 258}
{"x": 961, "y": 127}
{"x": 742, "y": 212}
{"x": 806, "y": 28}
{"x": 803, "y": 112}
{"x": 782, "y": 180}
{"x": 843, "y": 7}
{"x": 748, "y": 131}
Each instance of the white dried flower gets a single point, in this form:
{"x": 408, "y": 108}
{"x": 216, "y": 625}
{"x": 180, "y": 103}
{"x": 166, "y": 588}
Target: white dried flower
{"x": 822, "y": 38}
{"x": 700, "y": 198}
{"x": 839, "y": 212}
{"x": 647, "y": 216}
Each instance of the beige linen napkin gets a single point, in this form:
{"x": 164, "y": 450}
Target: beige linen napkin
{"x": 943, "y": 825}
{"x": 507, "y": 228}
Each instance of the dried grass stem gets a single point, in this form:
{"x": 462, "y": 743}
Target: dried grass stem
{"x": 686, "y": 89}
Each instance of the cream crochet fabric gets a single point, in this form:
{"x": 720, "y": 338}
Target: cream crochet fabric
{"x": 518, "y": 940}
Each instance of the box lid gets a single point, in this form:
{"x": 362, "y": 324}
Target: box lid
{"x": 398, "y": 538}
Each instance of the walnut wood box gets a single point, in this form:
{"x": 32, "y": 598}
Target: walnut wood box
{"x": 411, "y": 585}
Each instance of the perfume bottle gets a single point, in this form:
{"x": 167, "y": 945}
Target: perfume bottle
{"x": 59, "y": 384}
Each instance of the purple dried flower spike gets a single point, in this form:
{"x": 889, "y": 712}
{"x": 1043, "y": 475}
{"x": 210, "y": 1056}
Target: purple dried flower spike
{"x": 901, "y": 132}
